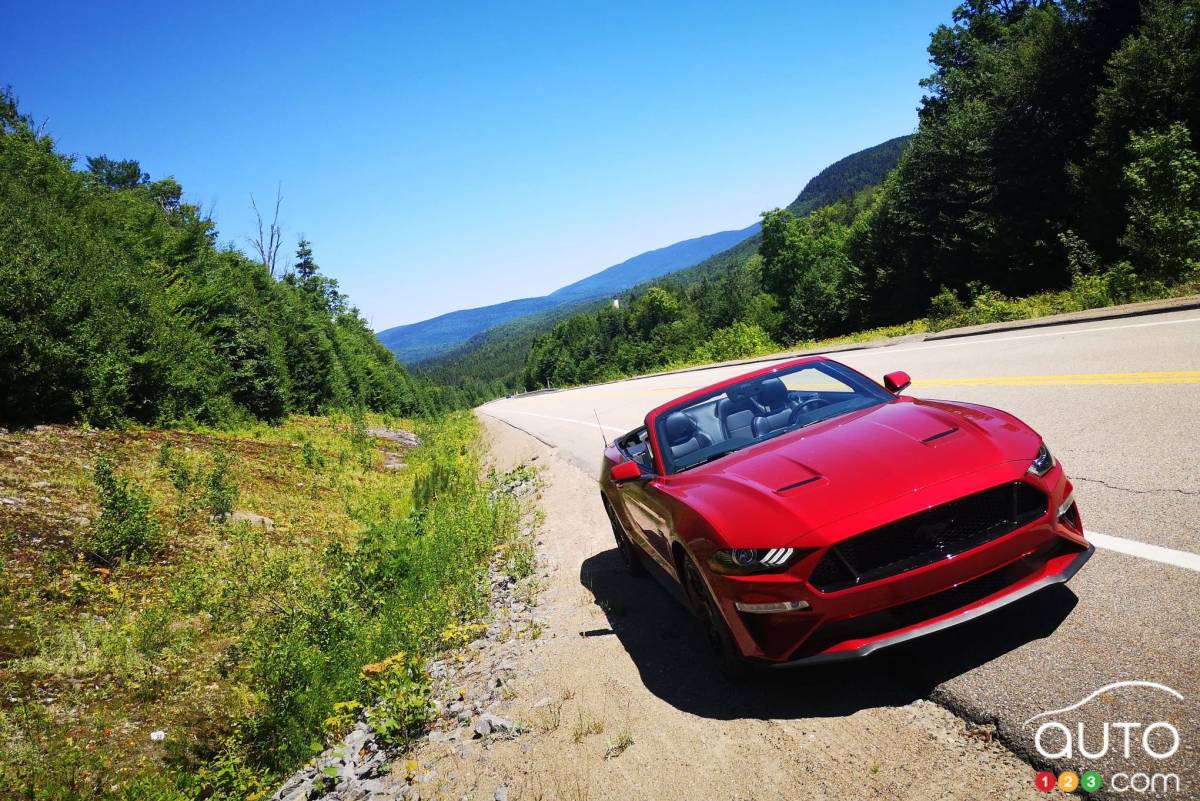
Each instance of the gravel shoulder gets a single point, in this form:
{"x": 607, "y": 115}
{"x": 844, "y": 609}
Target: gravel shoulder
{"x": 616, "y": 697}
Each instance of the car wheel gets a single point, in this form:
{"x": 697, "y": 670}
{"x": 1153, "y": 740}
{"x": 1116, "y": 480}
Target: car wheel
{"x": 626, "y": 549}
{"x": 720, "y": 640}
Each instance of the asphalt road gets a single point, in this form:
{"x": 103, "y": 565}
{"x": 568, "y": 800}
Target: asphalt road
{"x": 1118, "y": 402}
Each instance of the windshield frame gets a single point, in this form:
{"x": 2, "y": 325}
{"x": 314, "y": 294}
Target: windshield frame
{"x": 872, "y": 394}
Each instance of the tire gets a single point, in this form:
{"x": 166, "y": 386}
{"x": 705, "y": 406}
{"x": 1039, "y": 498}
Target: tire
{"x": 724, "y": 649}
{"x": 626, "y": 549}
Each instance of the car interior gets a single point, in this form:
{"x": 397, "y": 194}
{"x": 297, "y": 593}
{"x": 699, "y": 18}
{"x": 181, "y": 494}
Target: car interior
{"x": 755, "y": 410}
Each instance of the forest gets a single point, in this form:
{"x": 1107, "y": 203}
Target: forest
{"x": 1054, "y": 167}
{"x": 118, "y": 304}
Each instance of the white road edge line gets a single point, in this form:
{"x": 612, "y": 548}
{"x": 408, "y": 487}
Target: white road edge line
{"x": 589, "y": 424}
{"x": 1143, "y": 550}
{"x": 1107, "y": 542}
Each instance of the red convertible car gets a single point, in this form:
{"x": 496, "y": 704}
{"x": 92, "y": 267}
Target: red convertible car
{"x": 811, "y": 515}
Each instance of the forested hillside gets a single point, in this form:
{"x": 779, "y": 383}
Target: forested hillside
{"x": 116, "y": 303}
{"x": 427, "y": 339}
{"x": 493, "y": 363}
{"x": 1056, "y": 153}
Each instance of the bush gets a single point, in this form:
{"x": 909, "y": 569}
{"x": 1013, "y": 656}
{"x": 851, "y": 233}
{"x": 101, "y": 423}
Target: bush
{"x": 402, "y": 687}
{"x": 737, "y": 341}
{"x": 220, "y": 491}
{"x": 126, "y": 528}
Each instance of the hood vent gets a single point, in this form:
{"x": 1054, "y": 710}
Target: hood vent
{"x": 939, "y": 435}
{"x": 797, "y": 485}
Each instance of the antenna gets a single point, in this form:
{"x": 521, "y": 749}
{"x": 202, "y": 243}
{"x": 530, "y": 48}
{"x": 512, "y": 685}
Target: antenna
{"x": 602, "y": 437}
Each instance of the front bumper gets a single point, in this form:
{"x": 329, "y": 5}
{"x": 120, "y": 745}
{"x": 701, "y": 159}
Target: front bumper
{"x": 843, "y": 624}
{"x": 946, "y": 621}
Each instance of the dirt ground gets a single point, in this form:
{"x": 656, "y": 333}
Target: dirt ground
{"x": 620, "y": 700}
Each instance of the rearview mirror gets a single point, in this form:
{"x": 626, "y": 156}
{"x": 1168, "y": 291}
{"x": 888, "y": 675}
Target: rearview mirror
{"x": 897, "y": 381}
{"x": 625, "y": 471}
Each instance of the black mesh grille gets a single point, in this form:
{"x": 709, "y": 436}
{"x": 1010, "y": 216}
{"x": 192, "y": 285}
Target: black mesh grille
{"x": 929, "y": 536}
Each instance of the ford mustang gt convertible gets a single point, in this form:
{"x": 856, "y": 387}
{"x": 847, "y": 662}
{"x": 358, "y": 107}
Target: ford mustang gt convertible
{"x": 811, "y": 515}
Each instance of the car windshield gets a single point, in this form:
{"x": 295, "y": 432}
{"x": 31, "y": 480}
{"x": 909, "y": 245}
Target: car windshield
{"x": 759, "y": 409}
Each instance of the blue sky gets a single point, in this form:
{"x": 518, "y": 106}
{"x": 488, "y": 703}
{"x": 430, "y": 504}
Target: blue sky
{"x": 447, "y": 156}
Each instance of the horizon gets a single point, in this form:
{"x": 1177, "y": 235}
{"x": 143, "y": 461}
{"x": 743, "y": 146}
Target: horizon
{"x": 604, "y": 137}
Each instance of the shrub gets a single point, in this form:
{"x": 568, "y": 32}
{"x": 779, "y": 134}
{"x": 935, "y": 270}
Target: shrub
{"x": 737, "y": 341}
{"x": 402, "y": 686}
{"x": 126, "y": 527}
{"x": 220, "y": 491}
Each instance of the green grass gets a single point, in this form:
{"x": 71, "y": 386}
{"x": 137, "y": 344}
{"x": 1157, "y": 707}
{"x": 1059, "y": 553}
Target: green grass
{"x": 238, "y": 642}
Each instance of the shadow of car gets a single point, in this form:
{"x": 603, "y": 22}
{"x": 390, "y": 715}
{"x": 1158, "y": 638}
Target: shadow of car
{"x": 668, "y": 646}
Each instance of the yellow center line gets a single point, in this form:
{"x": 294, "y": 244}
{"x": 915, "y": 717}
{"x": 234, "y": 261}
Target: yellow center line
{"x": 1077, "y": 379}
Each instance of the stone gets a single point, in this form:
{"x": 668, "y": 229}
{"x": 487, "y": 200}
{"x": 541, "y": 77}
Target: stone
{"x": 406, "y": 438}
{"x": 501, "y": 793}
{"x": 497, "y": 724}
{"x": 483, "y": 726}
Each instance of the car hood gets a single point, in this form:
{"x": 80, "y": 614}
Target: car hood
{"x": 817, "y": 475}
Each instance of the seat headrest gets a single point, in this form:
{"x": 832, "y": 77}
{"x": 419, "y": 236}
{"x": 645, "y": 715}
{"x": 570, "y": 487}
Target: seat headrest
{"x": 680, "y": 428}
{"x": 772, "y": 393}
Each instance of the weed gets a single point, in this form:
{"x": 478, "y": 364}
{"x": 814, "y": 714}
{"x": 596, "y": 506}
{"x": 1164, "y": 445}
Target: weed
{"x": 619, "y": 746}
{"x": 551, "y": 717}
{"x": 586, "y": 725}
{"x": 311, "y": 457}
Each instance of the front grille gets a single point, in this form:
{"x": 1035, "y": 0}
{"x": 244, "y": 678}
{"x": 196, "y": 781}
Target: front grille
{"x": 929, "y": 536}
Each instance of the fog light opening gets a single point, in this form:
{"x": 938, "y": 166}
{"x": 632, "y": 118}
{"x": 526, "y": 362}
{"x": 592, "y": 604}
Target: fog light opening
{"x": 777, "y": 606}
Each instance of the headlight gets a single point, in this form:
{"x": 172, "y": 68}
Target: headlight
{"x": 743, "y": 561}
{"x": 1042, "y": 463}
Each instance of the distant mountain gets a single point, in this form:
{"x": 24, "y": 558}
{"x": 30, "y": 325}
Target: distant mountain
{"x": 491, "y": 362}
{"x": 429, "y": 338}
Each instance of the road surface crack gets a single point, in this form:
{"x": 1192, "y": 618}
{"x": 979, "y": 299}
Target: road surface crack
{"x": 1136, "y": 491}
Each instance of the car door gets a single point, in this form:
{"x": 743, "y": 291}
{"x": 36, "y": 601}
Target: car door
{"x": 648, "y": 509}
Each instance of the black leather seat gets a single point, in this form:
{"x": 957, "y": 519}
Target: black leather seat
{"x": 684, "y": 436}
{"x": 776, "y": 412}
{"x": 737, "y": 413}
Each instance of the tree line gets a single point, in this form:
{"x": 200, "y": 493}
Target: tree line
{"x": 1055, "y": 151}
{"x": 118, "y": 304}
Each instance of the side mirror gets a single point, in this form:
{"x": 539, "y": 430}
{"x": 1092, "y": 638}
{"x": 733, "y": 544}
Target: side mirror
{"x": 625, "y": 471}
{"x": 897, "y": 381}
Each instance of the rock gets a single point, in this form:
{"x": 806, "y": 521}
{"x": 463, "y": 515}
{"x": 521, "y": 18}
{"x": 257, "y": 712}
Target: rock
{"x": 497, "y": 724}
{"x": 9, "y": 501}
{"x": 406, "y": 438}
{"x": 541, "y": 702}
{"x": 40, "y": 484}
{"x": 483, "y": 726}
{"x": 502, "y": 793}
